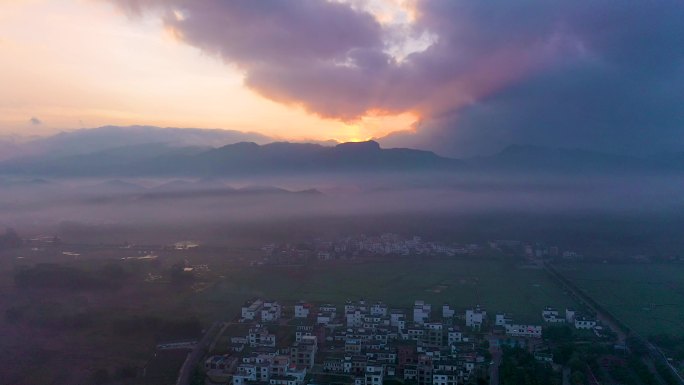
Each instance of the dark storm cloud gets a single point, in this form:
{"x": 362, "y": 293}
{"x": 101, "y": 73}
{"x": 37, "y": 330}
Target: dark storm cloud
{"x": 291, "y": 51}
{"x": 623, "y": 93}
{"x": 583, "y": 106}
{"x": 35, "y": 121}
{"x": 604, "y": 74}
{"x": 332, "y": 59}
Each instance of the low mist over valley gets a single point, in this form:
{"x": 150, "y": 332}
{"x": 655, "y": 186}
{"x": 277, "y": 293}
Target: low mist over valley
{"x": 166, "y": 191}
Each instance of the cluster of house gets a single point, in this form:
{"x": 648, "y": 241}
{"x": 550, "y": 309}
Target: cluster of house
{"x": 393, "y": 244}
{"x": 366, "y": 343}
{"x": 362, "y": 342}
{"x": 255, "y": 368}
{"x": 257, "y": 357}
{"x": 185, "y": 245}
{"x": 532, "y": 250}
{"x": 550, "y": 315}
{"x": 350, "y": 247}
{"x": 572, "y": 317}
{"x": 262, "y": 310}
{"x": 377, "y": 342}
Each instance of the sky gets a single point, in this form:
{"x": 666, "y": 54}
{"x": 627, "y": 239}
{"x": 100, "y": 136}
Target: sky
{"x": 72, "y": 64}
{"x": 458, "y": 77}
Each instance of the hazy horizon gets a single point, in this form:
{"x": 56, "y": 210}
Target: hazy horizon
{"x": 457, "y": 79}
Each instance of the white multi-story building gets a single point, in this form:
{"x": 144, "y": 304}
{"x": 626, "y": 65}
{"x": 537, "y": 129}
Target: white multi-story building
{"x": 293, "y": 376}
{"x": 454, "y": 336}
{"x": 445, "y": 378}
{"x": 519, "y": 330}
{"x": 447, "y": 311}
{"x": 398, "y": 318}
{"x": 302, "y": 310}
{"x": 551, "y": 315}
{"x": 303, "y": 353}
{"x": 349, "y": 306}
{"x": 260, "y": 336}
{"x": 251, "y": 310}
{"x": 252, "y": 369}
{"x": 502, "y": 319}
{"x": 354, "y": 318}
{"x": 245, "y": 373}
{"x": 570, "y": 315}
{"x": 280, "y": 365}
{"x": 415, "y": 333}
{"x": 324, "y": 256}
{"x": 324, "y": 318}
{"x": 271, "y": 311}
{"x": 421, "y": 312}
{"x": 374, "y": 374}
{"x": 328, "y": 308}
{"x": 582, "y": 322}
{"x": 475, "y": 317}
{"x": 267, "y": 369}
{"x": 378, "y": 309}
{"x": 302, "y": 331}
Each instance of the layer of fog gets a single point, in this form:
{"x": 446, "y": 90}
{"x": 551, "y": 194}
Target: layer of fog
{"x": 47, "y": 203}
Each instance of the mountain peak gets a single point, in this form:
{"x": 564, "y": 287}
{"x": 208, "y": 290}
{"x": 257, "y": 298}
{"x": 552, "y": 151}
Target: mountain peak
{"x": 369, "y": 145}
{"x": 244, "y": 146}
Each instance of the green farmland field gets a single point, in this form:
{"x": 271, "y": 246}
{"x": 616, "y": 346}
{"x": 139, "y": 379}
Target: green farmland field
{"x": 499, "y": 286}
{"x": 648, "y": 298}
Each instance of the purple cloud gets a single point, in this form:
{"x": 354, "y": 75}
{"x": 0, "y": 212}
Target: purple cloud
{"x": 333, "y": 59}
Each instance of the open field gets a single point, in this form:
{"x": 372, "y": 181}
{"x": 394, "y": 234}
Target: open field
{"x": 648, "y": 298}
{"x": 81, "y": 325}
{"x": 496, "y": 284}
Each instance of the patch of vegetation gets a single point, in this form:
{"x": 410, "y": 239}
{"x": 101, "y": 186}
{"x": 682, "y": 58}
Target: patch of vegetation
{"x": 54, "y": 276}
{"x": 673, "y": 345}
{"x": 10, "y": 240}
{"x": 53, "y": 315}
{"x": 558, "y": 333}
{"x": 648, "y": 298}
{"x": 623, "y": 375}
{"x": 518, "y": 367}
{"x": 161, "y": 327}
{"x": 498, "y": 285}
{"x": 641, "y": 371}
{"x": 197, "y": 378}
{"x": 666, "y": 374}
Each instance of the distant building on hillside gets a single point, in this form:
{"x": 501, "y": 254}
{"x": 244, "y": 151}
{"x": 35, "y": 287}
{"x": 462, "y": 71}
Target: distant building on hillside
{"x": 475, "y": 318}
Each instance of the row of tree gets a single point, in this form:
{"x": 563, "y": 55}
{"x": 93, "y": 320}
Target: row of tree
{"x": 10, "y": 240}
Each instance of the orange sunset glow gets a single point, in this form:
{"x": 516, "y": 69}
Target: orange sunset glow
{"x": 84, "y": 63}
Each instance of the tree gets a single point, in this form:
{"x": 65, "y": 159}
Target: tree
{"x": 558, "y": 334}
{"x": 10, "y": 240}
{"x": 101, "y": 376}
{"x": 563, "y": 353}
{"x": 637, "y": 346}
{"x": 578, "y": 378}
{"x": 178, "y": 275}
{"x": 518, "y": 367}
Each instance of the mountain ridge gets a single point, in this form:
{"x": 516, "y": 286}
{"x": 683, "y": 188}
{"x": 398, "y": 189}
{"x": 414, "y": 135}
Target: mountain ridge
{"x": 248, "y": 158}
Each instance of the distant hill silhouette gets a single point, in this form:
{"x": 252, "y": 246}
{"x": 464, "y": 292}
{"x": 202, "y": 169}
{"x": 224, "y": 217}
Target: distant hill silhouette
{"x": 167, "y": 152}
{"x": 91, "y": 140}
{"x": 527, "y": 158}
{"x": 245, "y": 158}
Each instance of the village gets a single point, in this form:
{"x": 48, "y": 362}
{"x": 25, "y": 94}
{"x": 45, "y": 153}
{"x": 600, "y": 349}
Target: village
{"x": 389, "y": 244}
{"x": 364, "y": 343}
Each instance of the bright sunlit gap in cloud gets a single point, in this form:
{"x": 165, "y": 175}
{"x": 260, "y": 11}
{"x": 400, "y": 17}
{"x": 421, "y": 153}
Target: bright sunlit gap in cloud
{"x": 376, "y": 125}
{"x": 397, "y": 18}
